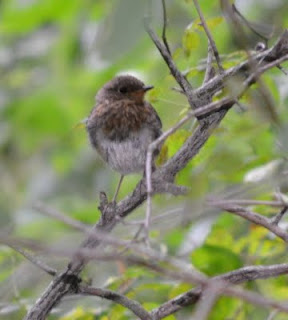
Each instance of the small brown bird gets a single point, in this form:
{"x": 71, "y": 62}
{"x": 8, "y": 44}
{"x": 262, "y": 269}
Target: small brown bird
{"x": 122, "y": 125}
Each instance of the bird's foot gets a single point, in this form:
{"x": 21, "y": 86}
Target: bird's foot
{"x": 104, "y": 203}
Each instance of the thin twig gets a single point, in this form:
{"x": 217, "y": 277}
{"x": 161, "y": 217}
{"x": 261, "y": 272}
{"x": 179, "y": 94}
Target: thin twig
{"x": 179, "y": 77}
{"x": 209, "y": 66}
{"x": 34, "y": 260}
{"x": 56, "y": 214}
{"x": 235, "y": 277}
{"x": 148, "y": 168}
{"x": 248, "y": 202}
{"x": 214, "y": 106}
{"x": 161, "y": 216}
{"x": 176, "y": 271}
{"x": 255, "y": 218}
{"x": 135, "y": 237}
{"x": 279, "y": 216}
{"x": 242, "y": 38}
{"x": 207, "y": 301}
{"x": 165, "y": 23}
{"x": 210, "y": 38}
{"x": 149, "y": 196}
{"x": 250, "y": 25}
{"x": 272, "y": 314}
{"x": 132, "y": 305}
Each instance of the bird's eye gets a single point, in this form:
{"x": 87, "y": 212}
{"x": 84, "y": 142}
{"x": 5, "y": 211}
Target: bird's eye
{"x": 123, "y": 89}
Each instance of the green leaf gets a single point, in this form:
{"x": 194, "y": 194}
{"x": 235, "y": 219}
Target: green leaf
{"x": 226, "y": 307}
{"x": 174, "y": 239}
{"x": 176, "y": 140}
{"x": 179, "y": 289}
{"x": 214, "y": 22}
{"x": 190, "y": 41}
{"x": 18, "y": 19}
{"x": 77, "y": 314}
{"x": 214, "y": 260}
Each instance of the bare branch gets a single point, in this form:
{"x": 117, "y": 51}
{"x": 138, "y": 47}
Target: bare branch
{"x": 232, "y": 14}
{"x": 278, "y": 52}
{"x": 165, "y": 22}
{"x": 208, "y": 298}
{"x": 257, "y": 299}
{"x": 53, "y": 213}
{"x": 253, "y": 217}
{"x": 249, "y": 202}
{"x": 209, "y": 36}
{"x": 210, "y": 72}
{"x": 279, "y": 216}
{"x": 33, "y": 259}
{"x": 272, "y": 314}
{"x": 179, "y": 77}
{"x": 132, "y": 305}
{"x": 234, "y": 277}
{"x": 152, "y": 147}
{"x": 264, "y": 37}
{"x": 175, "y": 271}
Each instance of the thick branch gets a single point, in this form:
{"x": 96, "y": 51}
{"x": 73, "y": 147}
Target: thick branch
{"x": 233, "y": 277}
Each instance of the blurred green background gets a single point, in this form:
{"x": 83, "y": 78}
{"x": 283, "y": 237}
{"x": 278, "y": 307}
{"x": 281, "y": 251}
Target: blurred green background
{"x": 54, "y": 56}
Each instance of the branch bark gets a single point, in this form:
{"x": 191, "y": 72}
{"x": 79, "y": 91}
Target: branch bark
{"x": 132, "y": 305}
{"x": 233, "y": 277}
{"x": 255, "y": 218}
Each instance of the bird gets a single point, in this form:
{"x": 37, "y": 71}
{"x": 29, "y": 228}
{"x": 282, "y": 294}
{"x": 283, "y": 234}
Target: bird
{"x": 122, "y": 124}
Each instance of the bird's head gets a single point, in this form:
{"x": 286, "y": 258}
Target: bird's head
{"x": 123, "y": 87}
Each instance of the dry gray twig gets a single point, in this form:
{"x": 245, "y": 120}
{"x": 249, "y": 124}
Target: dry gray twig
{"x": 57, "y": 215}
{"x": 253, "y": 217}
{"x": 234, "y": 277}
{"x": 132, "y": 305}
{"x": 210, "y": 72}
{"x": 164, "y": 29}
{"x": 279, "y": 216}
{"x": 33, "y": 259}
{"x": 209, "y": 36}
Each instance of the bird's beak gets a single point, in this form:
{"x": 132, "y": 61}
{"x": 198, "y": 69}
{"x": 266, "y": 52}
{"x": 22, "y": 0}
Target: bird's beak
{"x": 147, "y": 88}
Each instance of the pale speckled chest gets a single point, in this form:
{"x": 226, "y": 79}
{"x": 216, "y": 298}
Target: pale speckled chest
{"x": 126, "y": 156}
{"x": 121, "y": 133}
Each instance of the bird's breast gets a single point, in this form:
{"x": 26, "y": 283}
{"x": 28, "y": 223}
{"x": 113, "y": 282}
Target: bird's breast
{"x": 122, "y": 118}
{"x": 129, "y": 155}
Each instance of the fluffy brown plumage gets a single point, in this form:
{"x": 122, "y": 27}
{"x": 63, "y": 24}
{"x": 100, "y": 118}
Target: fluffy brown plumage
{"x": 122, "y": 124}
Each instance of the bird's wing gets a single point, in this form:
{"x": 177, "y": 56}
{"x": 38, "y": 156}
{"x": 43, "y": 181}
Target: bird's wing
{"x": 94, "y": 123}
{"x": 154, "y": 120}
{"x": 98, "y": 116}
